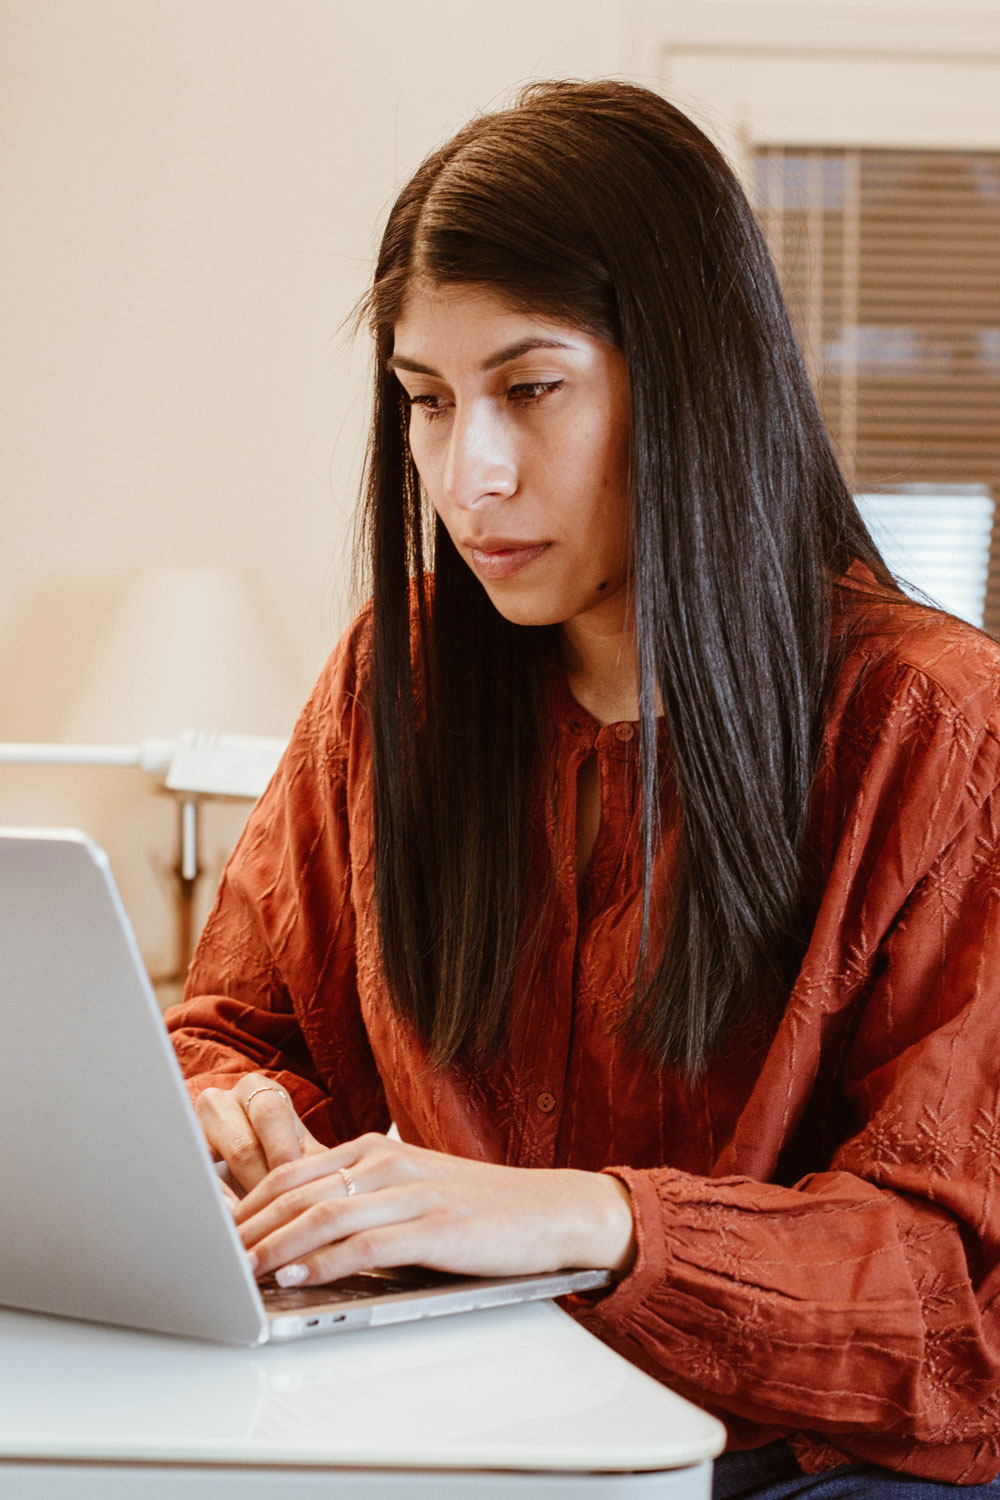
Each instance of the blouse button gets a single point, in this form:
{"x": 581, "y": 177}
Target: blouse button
{"x": 546, "y": 1103}
{"x": 575, "y": 725}
{"x": 625, "y": 731}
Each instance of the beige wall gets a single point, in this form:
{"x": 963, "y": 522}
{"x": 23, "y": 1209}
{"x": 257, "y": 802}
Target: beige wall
{"x": 191, "y": 193}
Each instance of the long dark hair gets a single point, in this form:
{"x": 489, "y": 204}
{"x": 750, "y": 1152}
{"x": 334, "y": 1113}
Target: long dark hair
{"x": 600, "y": 203}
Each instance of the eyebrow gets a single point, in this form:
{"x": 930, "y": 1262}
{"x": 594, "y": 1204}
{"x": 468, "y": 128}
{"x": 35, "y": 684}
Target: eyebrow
{"x": 501, "y": 357}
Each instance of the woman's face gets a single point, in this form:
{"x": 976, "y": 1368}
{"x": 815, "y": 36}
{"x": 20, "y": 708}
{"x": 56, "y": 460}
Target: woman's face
{"x": 519, "y": 428}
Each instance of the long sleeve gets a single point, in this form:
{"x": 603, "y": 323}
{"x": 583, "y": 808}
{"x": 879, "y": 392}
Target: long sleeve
{"x": 818, "y": 1218}
{"x": 273, "y": 986}
{"x": 856, "y": 1307}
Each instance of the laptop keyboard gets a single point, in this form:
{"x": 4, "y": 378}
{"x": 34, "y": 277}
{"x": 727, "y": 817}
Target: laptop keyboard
{"x": 359, "y": 1288}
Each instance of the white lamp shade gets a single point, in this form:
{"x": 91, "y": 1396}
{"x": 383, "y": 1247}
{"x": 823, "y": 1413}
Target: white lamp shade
{"x": 185, "y": 648}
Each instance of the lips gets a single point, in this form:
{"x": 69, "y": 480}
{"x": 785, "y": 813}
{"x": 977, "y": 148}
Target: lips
{"x": 501, "y": 557}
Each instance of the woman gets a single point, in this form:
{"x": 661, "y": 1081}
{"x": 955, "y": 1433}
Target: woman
{"x": 637, "y": 852}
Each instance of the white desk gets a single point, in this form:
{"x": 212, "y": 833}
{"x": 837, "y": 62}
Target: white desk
{"x": 517, "y": 1402}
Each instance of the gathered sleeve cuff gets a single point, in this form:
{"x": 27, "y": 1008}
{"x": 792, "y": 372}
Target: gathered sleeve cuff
{"x": 833, "y": 1313}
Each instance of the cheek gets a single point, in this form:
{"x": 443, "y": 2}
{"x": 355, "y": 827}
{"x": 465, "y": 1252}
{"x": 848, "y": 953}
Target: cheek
{"x": 610, "y": 526}
{"x": 599, "y": 449}
{"x": 428, "y": 444}
{"x": 415, "y": 441}
{"x": 599, "y": 465}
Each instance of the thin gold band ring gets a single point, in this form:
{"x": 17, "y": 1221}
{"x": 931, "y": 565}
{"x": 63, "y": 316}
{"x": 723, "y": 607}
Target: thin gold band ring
{"x": 348, "y": 1181}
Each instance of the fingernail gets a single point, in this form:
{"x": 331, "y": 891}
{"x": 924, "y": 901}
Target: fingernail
{"x": 252, "y": 1260}
{"x": 291, "y": 1275}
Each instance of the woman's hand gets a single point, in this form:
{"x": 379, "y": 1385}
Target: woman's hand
{"x": 253, "y": 1128}
{"x": 415, "y": 1207}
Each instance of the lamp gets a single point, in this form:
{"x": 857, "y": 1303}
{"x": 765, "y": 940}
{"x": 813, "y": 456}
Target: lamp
{"x": 184, "y": 651}
{"x": 184, "y": 648}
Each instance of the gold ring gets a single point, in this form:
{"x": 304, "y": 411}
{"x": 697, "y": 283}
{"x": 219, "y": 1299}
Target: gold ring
{"x": 263, "y": 1088}
{"x": 348, "y": 1181}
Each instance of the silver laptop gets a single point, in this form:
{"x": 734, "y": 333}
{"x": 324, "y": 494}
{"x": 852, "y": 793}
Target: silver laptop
{"x": 110, "y": 1203}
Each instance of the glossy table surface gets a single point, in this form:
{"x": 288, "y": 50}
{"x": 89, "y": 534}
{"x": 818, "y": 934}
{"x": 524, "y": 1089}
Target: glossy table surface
{"x": 516, "y": 1388}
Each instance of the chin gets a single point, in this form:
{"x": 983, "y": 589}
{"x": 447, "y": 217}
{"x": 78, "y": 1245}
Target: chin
{"x": 525, "y": 612}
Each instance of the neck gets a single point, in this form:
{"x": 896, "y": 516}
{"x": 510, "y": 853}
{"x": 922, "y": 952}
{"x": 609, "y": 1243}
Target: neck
{"x": 601, "y": 664}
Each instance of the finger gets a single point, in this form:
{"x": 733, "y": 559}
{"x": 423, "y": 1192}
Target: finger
{"x": 397, "y": 1244}
{"x": 308, "y": 1168}
{"x": 272, "y": 1116}
{"x": 334, "y": 1187}
{"x": 231, "y": 1136}
{"x": 333, "y": 1220}
{"x": 274, "y": 1204}
{"x": 231, "y": 1198}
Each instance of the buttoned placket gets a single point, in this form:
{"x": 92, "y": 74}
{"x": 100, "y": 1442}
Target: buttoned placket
{"x": 545, "y": 1092}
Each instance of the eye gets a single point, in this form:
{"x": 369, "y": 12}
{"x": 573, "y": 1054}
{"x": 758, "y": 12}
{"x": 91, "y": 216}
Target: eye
{"x": 531, "y": 391}
{"x": 428, "y": 405}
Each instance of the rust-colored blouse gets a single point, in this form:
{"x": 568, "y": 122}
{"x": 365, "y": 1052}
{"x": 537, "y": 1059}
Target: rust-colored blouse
{"x": 818, "y": 1220}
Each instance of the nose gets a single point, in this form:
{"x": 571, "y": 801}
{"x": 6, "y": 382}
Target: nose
{"x": 481, "y": 465}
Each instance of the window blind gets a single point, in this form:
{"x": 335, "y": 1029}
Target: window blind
{"x": 890, "y": 262}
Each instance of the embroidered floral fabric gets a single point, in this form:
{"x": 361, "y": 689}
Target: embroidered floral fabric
{"x": 819, "y": 1218}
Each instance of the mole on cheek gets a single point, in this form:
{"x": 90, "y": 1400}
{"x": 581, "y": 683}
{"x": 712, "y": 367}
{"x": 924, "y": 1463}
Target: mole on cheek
{"x": 602, "y": 585}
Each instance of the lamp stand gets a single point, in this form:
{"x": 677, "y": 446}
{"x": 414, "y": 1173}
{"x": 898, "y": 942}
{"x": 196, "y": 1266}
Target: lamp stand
{"x": 188, "y": 871}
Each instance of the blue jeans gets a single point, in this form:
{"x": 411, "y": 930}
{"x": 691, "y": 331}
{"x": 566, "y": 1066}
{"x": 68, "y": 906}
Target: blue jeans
{"x": 772, "y": 1473}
